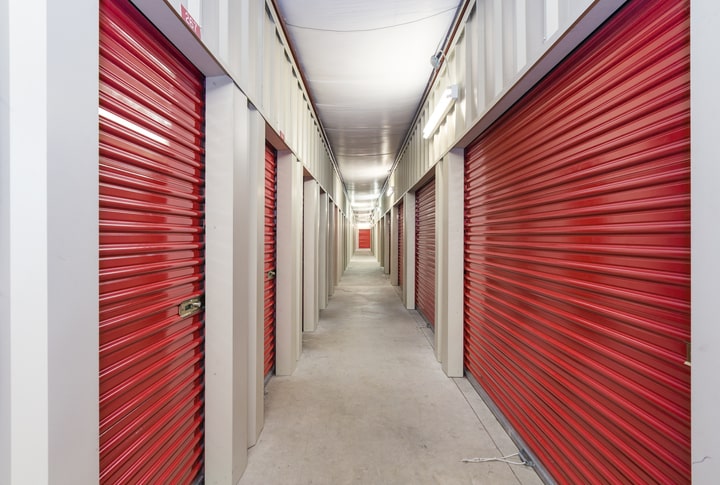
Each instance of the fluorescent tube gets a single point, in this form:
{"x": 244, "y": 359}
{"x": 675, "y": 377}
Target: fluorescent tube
{"x": 446, "y": 101}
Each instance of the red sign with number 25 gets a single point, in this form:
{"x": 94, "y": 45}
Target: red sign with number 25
{"x": 189, "y": 20}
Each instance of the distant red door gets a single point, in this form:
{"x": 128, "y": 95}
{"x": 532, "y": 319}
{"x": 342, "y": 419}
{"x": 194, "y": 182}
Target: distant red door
{"x": 270, "y": 255}
{"x": 425, "y": 251}
{"x": 364, "y": 238}
{"x": 151, "y": 173}
{"x": 577, "y": 256}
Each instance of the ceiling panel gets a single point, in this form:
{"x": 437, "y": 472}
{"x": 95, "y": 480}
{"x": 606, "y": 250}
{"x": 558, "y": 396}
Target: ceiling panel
{"x": 366, "y": 63}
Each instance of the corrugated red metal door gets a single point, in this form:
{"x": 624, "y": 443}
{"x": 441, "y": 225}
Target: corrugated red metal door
{"x": 363, "y": 238}
{"x": 270, "y": 239}
{"x": 577, "y": 284}
{"x": 401, "y": 215}
{"x": 425, "y": 251}
{"x": 151, "y": 174}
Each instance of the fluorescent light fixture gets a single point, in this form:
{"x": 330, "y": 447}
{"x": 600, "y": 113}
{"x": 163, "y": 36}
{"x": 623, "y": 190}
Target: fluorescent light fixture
{"x": 390, "y": 191}
{"x": 446, "y": 101}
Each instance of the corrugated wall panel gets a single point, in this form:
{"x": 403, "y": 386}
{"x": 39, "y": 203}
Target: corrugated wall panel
{"x": 285, "y": 106}
{"x": 425, "y": 251}
{"x": 151, "y": 175}
{"x": 577, "y": 271}
{"x": 270, "y": 254}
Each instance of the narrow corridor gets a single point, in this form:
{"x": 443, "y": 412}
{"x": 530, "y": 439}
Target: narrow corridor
{"x": 369, "y": 403}
{"x": 183, "y": 184}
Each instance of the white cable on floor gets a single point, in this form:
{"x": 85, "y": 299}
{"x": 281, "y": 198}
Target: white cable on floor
{"x": 503, "y": 459}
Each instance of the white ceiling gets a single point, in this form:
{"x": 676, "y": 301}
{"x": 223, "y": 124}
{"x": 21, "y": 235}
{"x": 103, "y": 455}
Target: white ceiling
{"x": 366, "y": 64}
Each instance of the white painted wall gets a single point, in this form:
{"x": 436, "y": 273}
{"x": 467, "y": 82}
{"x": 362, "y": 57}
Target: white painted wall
{"x": 375, "y": 238}
{"x": 29, "y": 400}
{"x": 387, "y": 230}
{"x": 48, "y": 247}
{"x": 311, "y": 230}
{"x": 450, "y": 276}
{"x": 332, "y": 248}
{"x": 409, "y": 257}
{"x": 289, "y": 263}
{"x": 351, "y": 247}
{"x": 705, "y": 173}
{"x": 441, "y": 273}
{"x": 381, "y": 242}
{"x": 323, "y": 253}
{"x": 252, "y": 225}
{"x": 29, "y": 339}
{"x": 5, "y": 384}
{"x": 394, "y": 247}
{"x": 226, "y": 285}
{"x": 72, "y": 141}
{"x": 341, "y": 246}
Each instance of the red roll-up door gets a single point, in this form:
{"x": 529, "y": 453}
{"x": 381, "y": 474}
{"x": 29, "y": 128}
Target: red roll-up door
{"x": 151, "y": 174}
{"x": 401, "y": 215}
{"x": 425, "y": 251}
{"x": 270, "y": 252}
{"x": 363, "y": 238}
{"x": 577, "y": 285}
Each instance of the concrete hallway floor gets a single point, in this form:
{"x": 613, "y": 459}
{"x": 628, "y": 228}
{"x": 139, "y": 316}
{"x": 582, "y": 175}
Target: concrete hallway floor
{"x": 370, "y": 404}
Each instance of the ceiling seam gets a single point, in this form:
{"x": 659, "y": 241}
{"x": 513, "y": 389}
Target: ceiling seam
{"x": 373, "y": 29}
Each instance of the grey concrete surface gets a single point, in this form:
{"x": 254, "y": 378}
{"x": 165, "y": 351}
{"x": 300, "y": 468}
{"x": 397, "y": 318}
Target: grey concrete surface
{"x": 369, "y": 403}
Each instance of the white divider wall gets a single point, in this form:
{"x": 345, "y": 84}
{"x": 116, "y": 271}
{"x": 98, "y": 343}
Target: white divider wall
{"x": 705, "y": 259}
{"x": 441, "y": 214}
{"x": 311, "y": 222}
{"x": 341, "y": 245}
{"x": 5, "y": 255}
{"x": 234, "y": 397}
{"x": 349, "y": 240}
{"x": 381, "y": 242}
{"x": 289, "y": 263}
{"x": 394, "y": 247}
{"x": 386, "y": 243}
{"x": 226, "y": 284}
{"x": 449, "y": 229}
{"x": 332, "y": 248}
{"x": 375, "y": 238}
{"x": 254, "y": 204}
{"x": 379, "y": 228}
{"x": 409, "y": 256}
{"x": 48, "y": 243}
{"x": 323, "y": 253}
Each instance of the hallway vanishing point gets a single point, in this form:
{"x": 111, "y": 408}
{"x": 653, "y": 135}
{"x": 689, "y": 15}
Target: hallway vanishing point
{"x": 370, "y": 404}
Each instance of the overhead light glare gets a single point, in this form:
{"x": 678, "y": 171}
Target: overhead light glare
{"x": 446, "y": 101}
{"x": 390, "y": 191}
